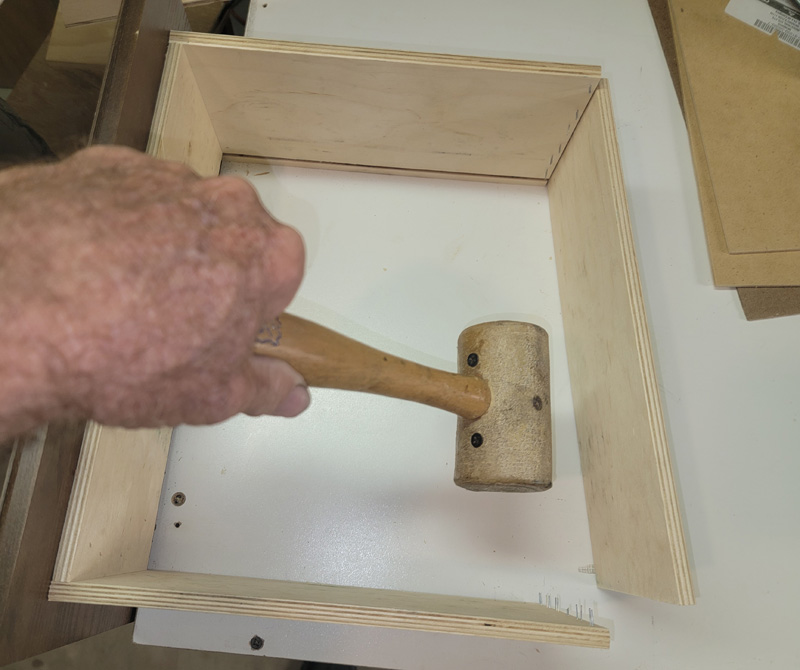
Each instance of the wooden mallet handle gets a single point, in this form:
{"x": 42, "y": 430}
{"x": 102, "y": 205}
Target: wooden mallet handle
{"x": 328, "y": 359}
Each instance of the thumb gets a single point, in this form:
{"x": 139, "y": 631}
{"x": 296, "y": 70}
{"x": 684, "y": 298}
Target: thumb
{"x": 279, "y": 389}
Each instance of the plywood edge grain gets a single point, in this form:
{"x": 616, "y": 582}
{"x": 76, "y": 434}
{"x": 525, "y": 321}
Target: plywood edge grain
{"x": 472, "y": 62}
{"x": 661, "y": 450}
{"x": 112, "y": 509}
{"x": 638, "y": 542}
{"x": 181, "y": 129}
{"x": 337, "y": 604}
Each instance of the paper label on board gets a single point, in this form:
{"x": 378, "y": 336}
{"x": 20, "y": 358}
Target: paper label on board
{"x": 769, "y": 16}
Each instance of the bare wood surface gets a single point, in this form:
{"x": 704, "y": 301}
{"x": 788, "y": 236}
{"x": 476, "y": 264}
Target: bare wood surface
{"x": 634, "y": 516}
{"x": 88, "y": 44}
{"x": 112, "y": 510}
{"x": 80, "y": 12}
{"x": 181, "y": 129}
{"x": 329, "y": 359}
{"x": 324, "y": 104}
{"x": 694, "y": 22}
{"x": 337, "y": 604}
{"x": 745, "y": 91}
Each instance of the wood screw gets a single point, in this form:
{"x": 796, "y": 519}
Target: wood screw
{"x": 472, "y": 360}
{"x": 178, "y": 499}
{"x": 256, "y": 643}
{"x": 476, "y": 440}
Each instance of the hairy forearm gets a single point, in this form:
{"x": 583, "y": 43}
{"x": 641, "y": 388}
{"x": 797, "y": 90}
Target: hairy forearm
{"x": 131, "y": 290}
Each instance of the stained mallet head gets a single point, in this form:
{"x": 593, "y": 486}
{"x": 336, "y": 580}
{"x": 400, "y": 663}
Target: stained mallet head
{"x": 509, "y": 448}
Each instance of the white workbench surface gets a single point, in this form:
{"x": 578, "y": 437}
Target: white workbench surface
{"x": 731, "y": 393}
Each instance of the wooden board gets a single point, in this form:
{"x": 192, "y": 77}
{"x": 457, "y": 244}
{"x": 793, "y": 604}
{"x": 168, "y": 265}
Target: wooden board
{"x": 88, "y": 44}
{"x": 773, "y": 269}
{"x": 103, "y": 562}
{"x": 746, "y": 94}
{"x": 76, "y": 12}
{"x": 358, "y": 107}
{"x": 337, "y": 604}
{"x": 634, "y": 517}
{"x": 182, "y": 130}
{"x": 112, "y": 510}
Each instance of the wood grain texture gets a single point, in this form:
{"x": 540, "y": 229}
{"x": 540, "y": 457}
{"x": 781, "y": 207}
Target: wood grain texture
{"x": 634, "y": 516}
{"x": 88, "y": 44}
{"x": 130, "y": 88}
{"x": 337, "y": 604}
{"x": 181, "y": 129}
{"x": 77, "y": 12}
{"x": 389, "y": 109}
{"x": 328, "y": 359}
{"x": 112, "y": 510}
{"x": 29, "y": 624}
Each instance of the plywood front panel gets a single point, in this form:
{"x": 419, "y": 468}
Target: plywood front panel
{"x": 634, "y": 518}
{"x": 362, "y": 107}
{"x": 339, "y": 604}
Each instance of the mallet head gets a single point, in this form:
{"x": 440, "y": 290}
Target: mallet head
{"x": 509, "y": 448}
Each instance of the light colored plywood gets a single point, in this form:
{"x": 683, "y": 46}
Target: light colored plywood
{"x": 181, "y": 128}
{"x": 75, "y": 12}
{"x": 337, "y": 604}
{"x": 634, "y": 516}
{"x": 112, "y": 510}
{"x": 88, "y": 44}
{"x": 362, "y": 107}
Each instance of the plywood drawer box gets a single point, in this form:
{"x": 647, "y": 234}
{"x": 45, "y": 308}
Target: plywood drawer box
{"x": 428, "y": 116}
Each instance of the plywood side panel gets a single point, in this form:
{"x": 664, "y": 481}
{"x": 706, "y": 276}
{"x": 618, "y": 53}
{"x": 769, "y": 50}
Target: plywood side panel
{"x": 112, "y": 510}
{"x": 181, "y": 128}
{"x": 388, "y": 109}
{"x": 337, "y": 604}
{"x": 634, "y": 517}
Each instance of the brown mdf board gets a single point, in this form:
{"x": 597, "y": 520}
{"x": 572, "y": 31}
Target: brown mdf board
{"x": 744, "y": 158}
{"x": 758, "y": 302}
{"x": 745, "y": 88}
{"x": 191, "y": 125}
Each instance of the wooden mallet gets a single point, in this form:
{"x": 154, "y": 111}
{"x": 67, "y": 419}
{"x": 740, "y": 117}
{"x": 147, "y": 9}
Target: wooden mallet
{"x": 501, "y": 394}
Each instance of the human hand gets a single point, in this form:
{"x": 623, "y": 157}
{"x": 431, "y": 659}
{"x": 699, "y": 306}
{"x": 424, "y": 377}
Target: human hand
{"x": 132, "y": 291}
